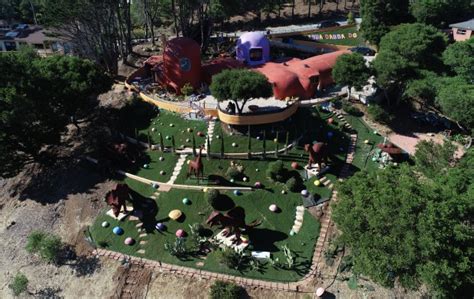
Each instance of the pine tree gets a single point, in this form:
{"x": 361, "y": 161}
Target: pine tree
{"x": 194, "y": 146}
{"x": 249, "y": 144}
{"x": 162, "y": 143}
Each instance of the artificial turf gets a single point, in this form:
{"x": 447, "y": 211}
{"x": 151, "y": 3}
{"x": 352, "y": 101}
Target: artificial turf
{"x": 155, "y": 166}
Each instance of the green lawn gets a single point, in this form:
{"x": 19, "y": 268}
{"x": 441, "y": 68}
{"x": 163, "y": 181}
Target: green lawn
{"x": 343, "y": 32}
{"x": 155, "y": 166}
{"x": 269, "y": 236}
{"x": 363, "y": 154}
{"x": 140, "y": 118}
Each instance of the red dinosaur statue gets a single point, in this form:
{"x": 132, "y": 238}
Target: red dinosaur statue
{"x": 318, "y": 153}
{"x": 233, "y": 221}
{"x": 196, "y": 167}
{"x": 117, "y": 198}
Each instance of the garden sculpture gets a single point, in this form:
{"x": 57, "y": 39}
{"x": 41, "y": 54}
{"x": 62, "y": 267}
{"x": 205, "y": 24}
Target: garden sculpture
{"x": 121, "y": 151}
{"x": 232, "y": 222}
{"x": 117, "y": 198}
{"x": 196, "y": 167}
{"x": 317, "y": 153}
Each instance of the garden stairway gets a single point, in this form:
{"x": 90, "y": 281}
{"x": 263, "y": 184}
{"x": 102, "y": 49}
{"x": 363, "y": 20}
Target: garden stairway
{"x": 177, "y": 168}
{"x": 210, "y": 134}
{"x": 298, "y": 219}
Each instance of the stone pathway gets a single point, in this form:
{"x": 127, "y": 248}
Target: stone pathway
{"x": 298, "y": 219}
{"x": 177, "y": 168}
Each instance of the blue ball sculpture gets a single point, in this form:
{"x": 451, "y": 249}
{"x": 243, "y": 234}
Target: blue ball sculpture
{"x": 118, "y": 230}
{"x": 237, "y": 192}
{"x": 160, "y": 226}
{"x": 330, "y": 134}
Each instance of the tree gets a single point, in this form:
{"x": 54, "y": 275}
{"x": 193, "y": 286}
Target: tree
{"x": 456, "y": 99}
{"x": 405, "y": 52}
{"x": 379, "y": 15}
{"x": 424, "y": 89}
{"x": 351, "y": 70}
{"x": 239, "y": 86}
{"x": 417, "y": 232}
{"x": 440, "y": 13}
{"x": 434, "y": 159}
{"x": 98, "y": 30}
{"x": 38, "y": 98}
{"x": 460, "y": 57}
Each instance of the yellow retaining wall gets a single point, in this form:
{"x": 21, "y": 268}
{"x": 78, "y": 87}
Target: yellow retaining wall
{"x": 258, "y": 119}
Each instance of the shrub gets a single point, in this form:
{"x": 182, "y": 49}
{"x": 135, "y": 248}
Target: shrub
{"x": 19, "y": 284}
{"x": 378, "y": 114}
{"x": 292, "y": 184}
{"x": 213, "y": 197}
{"x": 276, "y": 171}
{"x": 178, "y": 248}
{"x": 225, "y": 290}
{"x": 231, "y": 258}
{"x": 103, "y": 244}
{"x": 47, "y": 246}
{"x": 233, "y": 173}
{"x": 187, "y": 89}
{"x": 350, "y": 109}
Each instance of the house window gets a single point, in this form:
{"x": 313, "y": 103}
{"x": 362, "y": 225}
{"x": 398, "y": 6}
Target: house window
{"x": 10, "y": 46}
{"x": 462, "y": 31}
{"x": 256, "y": 54}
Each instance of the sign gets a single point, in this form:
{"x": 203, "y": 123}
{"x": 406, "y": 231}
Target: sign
{"x": 337, "y": 36}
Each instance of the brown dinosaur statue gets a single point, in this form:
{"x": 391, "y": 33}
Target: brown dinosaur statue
{"x": 117, "y": 198}
{"x": 196, "y": 167}
{"x": 233, "y": 221}
{"x": 123, "y": 152}
{"x": 318, "y": 153}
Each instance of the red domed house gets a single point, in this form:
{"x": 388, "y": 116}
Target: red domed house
{"x": 181, "y": 64}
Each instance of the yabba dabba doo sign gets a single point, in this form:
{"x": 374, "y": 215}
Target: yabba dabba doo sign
{"x": 333, "y": 36}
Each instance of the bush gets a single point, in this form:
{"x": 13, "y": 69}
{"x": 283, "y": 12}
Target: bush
{"x": 19, "y": 284}
{"x": 378, "y": 114}
{"x": 231, "y": 258}
{"x": 233, "y": 173}
{"x": 292, "y": 184}
{"x": 212, "y": 196}
{"x": 276, "y": 171}
{"x": 225, "y": 290}
{"x": 47, "y": 246}
{"x": 350, "y": 109}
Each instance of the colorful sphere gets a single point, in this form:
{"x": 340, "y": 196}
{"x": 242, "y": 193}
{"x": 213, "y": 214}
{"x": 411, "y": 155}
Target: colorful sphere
{"x": 317, "y": 182}
{"x": 234, "y": 144}
{"x": 275, "y": 140}
{"x": 218, "y": 137}
{"x": 129, "y": 241}
{"x": 155, "y": 185}
{"x": 330, "y": 120}
{"x": 180, "y": 233}
{"x": 245, "y": 179}
{"x": 186, "y": 201}
{"x": 171, "y": 125}
{"x": 258, "y": 137}
{"x": 205, "y": 189}
{"x": 237, "y": 192}
{"x": 189, "y": 130}
{"x": 330, "y": 134}
{"x": 258, "y": 185}
{"x": 146, "y": 165}
{"x": 304, "y": 192}
{"x": 292, "y": 233}
{"x": 273, "y": 208}
{"x": 175, "y": 214}
{"x": 188, "y": 140}
{"x": 366, "y": 141}
{"x": 232, "y": 180}
{"x": 105, "y": 224}
{"x": 160, "y": 226}
{"x": 200, "y": 134}
{"x": 257, "y": 170}
{"x": 118, "y": 230}
{"x": 375, "y": 132}
{"x": 162, "y": 172}
{"x": 295, "y": 165}
{"x": 168, "y": 137}
{"x": 283, "y": 191}
{"x": 161, "y": 158}
{"x": 153, "y": 129}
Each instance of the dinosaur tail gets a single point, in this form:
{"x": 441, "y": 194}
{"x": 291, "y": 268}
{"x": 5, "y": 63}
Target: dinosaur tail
{"x": 254, "y": 223}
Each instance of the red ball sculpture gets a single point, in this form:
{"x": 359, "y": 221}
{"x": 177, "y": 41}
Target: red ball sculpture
{"x": 330, "y": 120}
{"x": 295, "y": 165}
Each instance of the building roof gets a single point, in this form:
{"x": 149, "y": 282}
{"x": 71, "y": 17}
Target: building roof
{"x": 468, "y": 25}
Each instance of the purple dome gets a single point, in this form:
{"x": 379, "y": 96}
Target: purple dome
{"x": 253, "y": 48}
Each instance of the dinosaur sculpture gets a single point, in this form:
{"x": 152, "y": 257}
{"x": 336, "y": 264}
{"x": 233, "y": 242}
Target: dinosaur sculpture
{"x": 123, "y": 152}
{"x": 196, "y": 167}
{"x": 233, "y": 222}
{"x": 117, "y": 198}
{"x": 318, "y": 153}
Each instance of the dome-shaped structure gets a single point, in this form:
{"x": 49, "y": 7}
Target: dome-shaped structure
{"x": 253, "y": 48}
{"x": 182, "y": 63}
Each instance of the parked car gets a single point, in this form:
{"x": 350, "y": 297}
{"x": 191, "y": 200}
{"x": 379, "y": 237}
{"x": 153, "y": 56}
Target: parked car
{"x": 366, "y": 51}
{"x": 328, "y": 24}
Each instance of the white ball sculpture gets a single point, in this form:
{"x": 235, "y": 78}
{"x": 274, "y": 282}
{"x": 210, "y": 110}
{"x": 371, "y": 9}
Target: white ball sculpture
{"x": 161, "y": 159}
{"x": 153, "y": 129}
{"x": 234, "y": 144}
{"x": 273, "y": 208}
{"x": 245, "y": 179}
